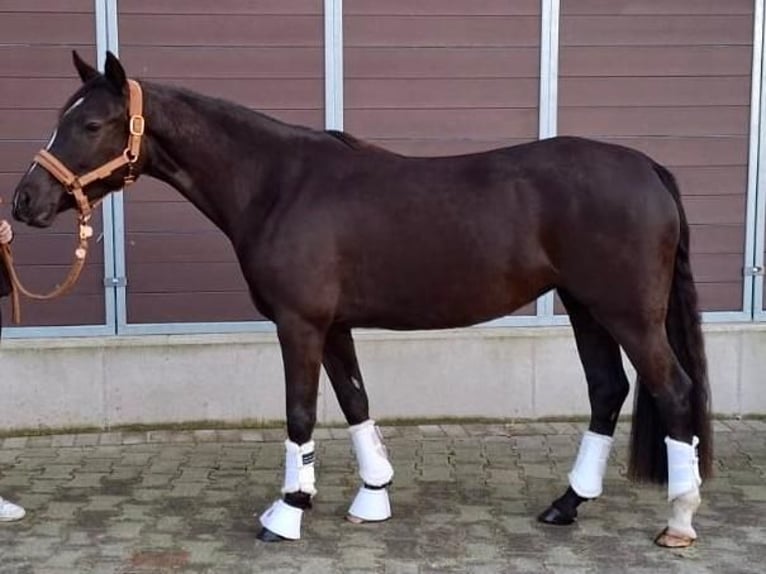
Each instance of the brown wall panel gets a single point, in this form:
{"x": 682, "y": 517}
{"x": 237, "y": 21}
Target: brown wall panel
{"x": 191, "y": 307}
{"x": 28, "y": 125}
{"x": 170, "y": 277}
{"x": 664, "y": 91}
{"x": 224, "y": 62}
{"x": 441, "y": 62}
{"x": 443, "y": 7}
{"x": 220, "y": 30}
{"x": 711, "y": 180}
{"x": 715, "y": 210}
{"x": 37, "y": 61}
{"x": 48, "y": 28}
{"x": 55, "y": 6}
{"x": 471, "y": 124}
{"x": 397, "y": 93}
{"x": 427, "y": 78}
{"x": 228, "y": 7}
{"x": 680, "y": 151}
{"x": 78, "y": 310}
{"x": 430, "y": 31}
{"x": 717, "y": 296}
{"x": 45, "y": 94}
{"x": 36, "y": 78}
{"x": 642, "y": 30}
{"x": 657, "y": 7}
{"x": 642, "y": 121}
{"x": 717, "y": 238}
{"x": 15, "y": 158}
{"x": 650, "y": 61}
{"x": 671, "y": 78}
{"x": 264, "y": 55}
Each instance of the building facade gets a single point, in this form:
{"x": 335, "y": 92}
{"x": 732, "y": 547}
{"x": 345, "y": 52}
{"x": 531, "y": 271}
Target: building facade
{"x": 679, "y": 79}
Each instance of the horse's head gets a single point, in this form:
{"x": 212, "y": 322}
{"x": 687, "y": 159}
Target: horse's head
{"x": 93, "y": 128}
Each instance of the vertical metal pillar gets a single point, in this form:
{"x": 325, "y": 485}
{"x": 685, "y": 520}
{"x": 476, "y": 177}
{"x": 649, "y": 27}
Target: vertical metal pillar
{"x": 113, "y": 208}
{"x": 755, "y": 241}
{"x": 333, "y": 64}
{"x": 548, "y": 118}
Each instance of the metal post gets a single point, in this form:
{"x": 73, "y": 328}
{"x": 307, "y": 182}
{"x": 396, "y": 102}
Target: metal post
{"x": 114, "y": 212}
{"x": 548, "y": 115}
{"x": 755, "y": 242}
{"x": 333, "y": 62}
{"x": 106, "y": 39}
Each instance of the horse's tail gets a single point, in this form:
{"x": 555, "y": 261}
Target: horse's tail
{"x": 648, "y": 457}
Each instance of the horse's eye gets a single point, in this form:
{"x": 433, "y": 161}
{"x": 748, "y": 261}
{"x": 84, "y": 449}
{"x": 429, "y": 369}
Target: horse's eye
{"x": 92, "y": 126}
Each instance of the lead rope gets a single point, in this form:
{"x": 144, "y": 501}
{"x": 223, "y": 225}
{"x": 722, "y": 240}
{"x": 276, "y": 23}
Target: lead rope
{"x": 80, "y": 253}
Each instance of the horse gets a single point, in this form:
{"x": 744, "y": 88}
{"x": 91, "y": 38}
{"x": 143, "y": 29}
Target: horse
{"x": 334, "y": 234}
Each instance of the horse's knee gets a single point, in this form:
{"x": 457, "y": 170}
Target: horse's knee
{"x": 300, "y": 424}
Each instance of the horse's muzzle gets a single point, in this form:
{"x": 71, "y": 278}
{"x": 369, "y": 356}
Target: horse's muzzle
{"x": 26, "y": 210}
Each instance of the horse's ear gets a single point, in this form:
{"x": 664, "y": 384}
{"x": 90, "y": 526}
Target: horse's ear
{"x": 86, "y": 71}
{"x": 114, "y": 72}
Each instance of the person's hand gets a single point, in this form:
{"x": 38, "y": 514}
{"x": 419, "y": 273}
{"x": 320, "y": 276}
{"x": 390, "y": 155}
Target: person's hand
{"x": 6, "y": 232}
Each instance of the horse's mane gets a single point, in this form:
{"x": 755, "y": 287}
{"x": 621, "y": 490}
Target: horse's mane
{"x": 354, "y": 142}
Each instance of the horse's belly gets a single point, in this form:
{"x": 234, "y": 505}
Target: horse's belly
{"x": 431, "y": 300}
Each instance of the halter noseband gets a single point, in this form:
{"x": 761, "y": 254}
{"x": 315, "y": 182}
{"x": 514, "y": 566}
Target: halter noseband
{"x": 74, "y": 184}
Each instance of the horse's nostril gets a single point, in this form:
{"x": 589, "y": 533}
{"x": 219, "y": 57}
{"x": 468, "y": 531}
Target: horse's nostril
{"x": 20, "y": 206}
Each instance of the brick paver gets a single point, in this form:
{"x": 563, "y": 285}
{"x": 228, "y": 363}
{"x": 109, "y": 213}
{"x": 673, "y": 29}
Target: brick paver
{"x": 464, "y": 499}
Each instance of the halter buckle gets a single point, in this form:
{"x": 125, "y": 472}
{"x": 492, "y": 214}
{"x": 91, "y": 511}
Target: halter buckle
{"x": 136, "y": 125}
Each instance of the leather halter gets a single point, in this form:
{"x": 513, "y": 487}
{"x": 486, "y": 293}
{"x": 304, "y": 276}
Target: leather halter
{"x": 74, "y": 184}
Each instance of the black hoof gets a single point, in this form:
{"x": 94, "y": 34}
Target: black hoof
{"x": 267, "y": 535}
{"x": 553, "y": 515}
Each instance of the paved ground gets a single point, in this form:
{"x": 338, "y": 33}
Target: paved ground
{"x": 464, "y": 499}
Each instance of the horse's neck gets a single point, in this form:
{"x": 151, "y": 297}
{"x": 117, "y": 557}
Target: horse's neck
{"x": 214, "y": 155}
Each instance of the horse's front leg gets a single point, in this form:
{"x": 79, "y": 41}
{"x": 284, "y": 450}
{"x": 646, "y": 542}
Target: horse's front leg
{"x": 371, "y": 502}
{"x": 302, "y": 345}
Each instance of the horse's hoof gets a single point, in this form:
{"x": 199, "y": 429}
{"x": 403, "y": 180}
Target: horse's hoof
{"x": 668, "y": 539}
{"x": 553, "y": 515}
{"x": 356, "y": 520}
{"x": 266, "y": 535}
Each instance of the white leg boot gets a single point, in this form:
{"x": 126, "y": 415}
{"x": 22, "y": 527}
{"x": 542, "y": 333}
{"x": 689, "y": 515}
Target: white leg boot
{"x": 281, "y": 518}
{"x": 371, "y": 502}
{"x": 683, "y": 493}
{"x": 587, "y": 476}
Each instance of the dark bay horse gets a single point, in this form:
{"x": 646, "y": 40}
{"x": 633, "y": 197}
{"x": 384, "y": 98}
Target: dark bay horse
{"x": 334, "y": 234}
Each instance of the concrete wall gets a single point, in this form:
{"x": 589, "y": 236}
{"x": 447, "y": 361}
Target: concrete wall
{"x": 477, "y": 372}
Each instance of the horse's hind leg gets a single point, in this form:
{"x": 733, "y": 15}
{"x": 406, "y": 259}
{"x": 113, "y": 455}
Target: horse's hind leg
{"x": 668, "y": 390}
{"x": 371, "y": 502}
{"x": 302, "y": 345}
{"x": 607, "y": 388}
